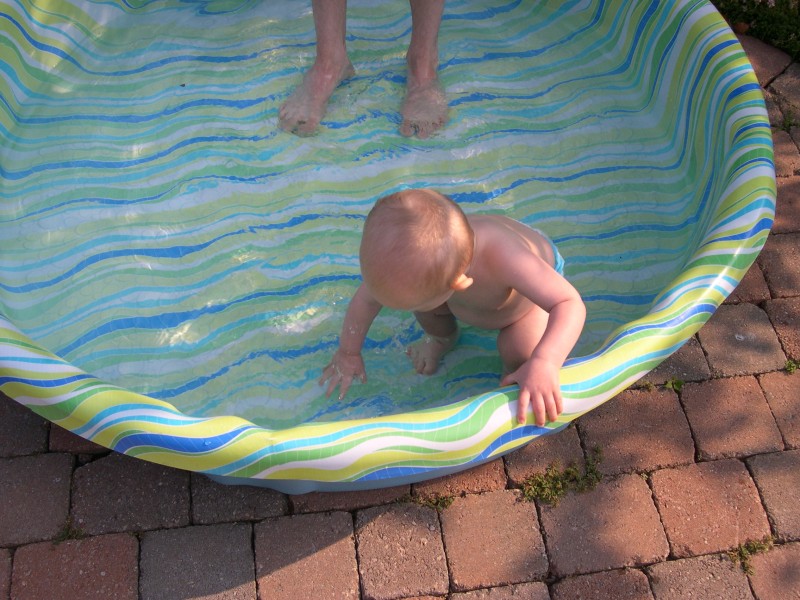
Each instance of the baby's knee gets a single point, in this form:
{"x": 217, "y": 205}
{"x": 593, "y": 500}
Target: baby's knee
{"x": 517, "y": 342}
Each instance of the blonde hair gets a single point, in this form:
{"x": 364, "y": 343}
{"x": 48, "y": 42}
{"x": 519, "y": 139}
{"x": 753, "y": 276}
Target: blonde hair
{"x": 420, "y": 238}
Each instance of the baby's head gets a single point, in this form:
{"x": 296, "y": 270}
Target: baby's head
{"x": 416, "y": 248}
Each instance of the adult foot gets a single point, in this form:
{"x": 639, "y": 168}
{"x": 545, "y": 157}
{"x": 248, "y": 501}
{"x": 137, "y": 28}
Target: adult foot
{"x": 424, "y": 109}
{"x": 304, "y": 109}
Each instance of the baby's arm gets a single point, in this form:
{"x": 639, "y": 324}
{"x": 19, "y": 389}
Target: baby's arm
{"x": 538, "y": 377}
{"x": 347, "y": 363}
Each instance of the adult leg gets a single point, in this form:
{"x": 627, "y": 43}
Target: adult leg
{"x": 424, "y": 109}
{"x": 304, "y": 109}
{"x": 441, "y": 334}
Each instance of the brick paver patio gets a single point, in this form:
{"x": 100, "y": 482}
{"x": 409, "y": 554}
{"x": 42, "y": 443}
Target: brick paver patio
{"x": 689, "y": 475}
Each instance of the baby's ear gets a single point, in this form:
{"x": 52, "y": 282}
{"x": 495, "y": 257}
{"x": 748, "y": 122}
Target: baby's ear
{"x": 461, "y": 283}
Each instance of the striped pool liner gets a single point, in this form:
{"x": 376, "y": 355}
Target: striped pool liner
{"x": 175, "y": 268}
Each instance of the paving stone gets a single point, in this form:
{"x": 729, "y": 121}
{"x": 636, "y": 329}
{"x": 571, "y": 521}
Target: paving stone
{"x": 730, "y": 417}
{"x": 739, "y": 340}
{"x": 776, "y": 573}
{"x": 306, "y": 556}
{"x": 218, "y": 503}
{"x": 334, "y": 501}
{"x": 787, "y": 209}
{"x": 120, "y": 493}
{"x": 483, "y": 478}
{"x": 5, "y": 573}
{"x": 507, "y": 528}
{"x": 709, "y": 507}
{"x": 778, "y": 479}
{"x": 768, "y": 62}
{"x": 688, "y": 363}
{"x": 780, "y": 389}
{"x": 752, "y": 288}
{"x": 35, "y": 497}
{"x": 62, "y": 440}
{"x": 774, "y": 112}
{"x": 213, "y": 562}
{"x": 615, "y": 525}
{"x": 787, "y": 87}
{"x": 22, "y": 431}
{"x": 787, "y": 158}
{"x": 561, "y": 449}
{"x": 639, "y": 430}
{"x": 706, "y": 577}
{"x": 622, "y": 584}
{"x": 523, "y": 591}
{"x": 400, "y": 552}
{"x": 785, "y": 316}
{"x": 780, "y": 263}
{"x": 96, "y": 568}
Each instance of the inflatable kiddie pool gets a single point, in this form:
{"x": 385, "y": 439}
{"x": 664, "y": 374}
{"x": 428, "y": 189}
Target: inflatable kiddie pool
{"x": 175, "y": 269}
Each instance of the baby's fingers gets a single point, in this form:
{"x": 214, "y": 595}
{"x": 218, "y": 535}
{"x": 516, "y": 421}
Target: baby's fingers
{"x": 327, "y": 373}
{"x": 344, "y": 386}
{"x": 522, "y": 405}
{"x": 333, "y": 381}
{"x": 539, "y": 410}
{"x": 554, "y": 407}
{"x": 343, "y": 383}
{"x": 333, "y": 377}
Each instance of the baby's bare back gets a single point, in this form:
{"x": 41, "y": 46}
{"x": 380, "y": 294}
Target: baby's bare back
{"x": 501, "y": 245}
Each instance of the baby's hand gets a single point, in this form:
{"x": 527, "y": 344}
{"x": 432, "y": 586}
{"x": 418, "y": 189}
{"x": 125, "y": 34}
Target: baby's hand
{"x": 341, "y": 371}
{"x": 538, "y": 386}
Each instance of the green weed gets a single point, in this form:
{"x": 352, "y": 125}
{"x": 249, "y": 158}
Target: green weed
{"x": 69, "y": 532}
{"x": 674, "y": 384}
{"x": 744, "y": 552}
{"x": 435, "y": 501}
{"x": 552, "y": 485}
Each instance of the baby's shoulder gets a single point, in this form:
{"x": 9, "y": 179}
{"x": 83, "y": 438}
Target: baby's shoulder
{"x": 501, "y": 239}
{"x": 504, "y": 228}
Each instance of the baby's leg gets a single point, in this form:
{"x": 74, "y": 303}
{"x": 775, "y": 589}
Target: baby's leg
{"x": 424, "y": 109}
{"x": 441, "y": 334}
{"x": 517, "y": 342}
{"x": 304, "y": 109}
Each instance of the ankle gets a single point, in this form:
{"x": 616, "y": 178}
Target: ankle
{"x": 331, "y": 66}
{"x": 422, "y": 69}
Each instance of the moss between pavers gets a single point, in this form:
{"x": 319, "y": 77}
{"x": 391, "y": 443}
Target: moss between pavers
{"x": 742, "y": 554}
{"x": 674, "y": 384}
{"x": 69, "y": 532}
{"x": 552, "y": 485}
{"x": 436, "y": 501}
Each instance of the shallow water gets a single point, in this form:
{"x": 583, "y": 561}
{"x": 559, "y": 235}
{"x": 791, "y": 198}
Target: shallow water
{"x": 161, "y": 233}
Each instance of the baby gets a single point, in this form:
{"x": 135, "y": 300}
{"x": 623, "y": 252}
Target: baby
{"x": 420, "y": 252}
